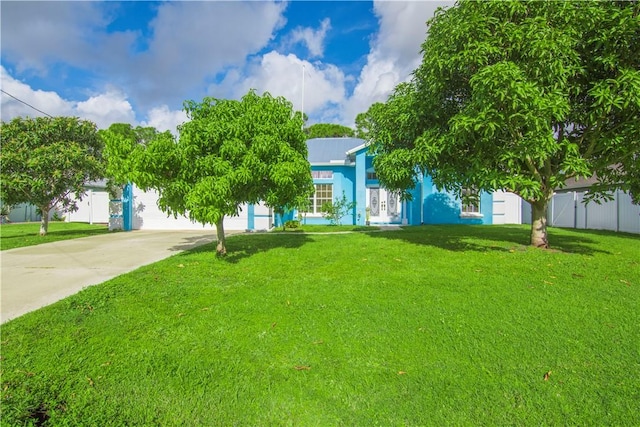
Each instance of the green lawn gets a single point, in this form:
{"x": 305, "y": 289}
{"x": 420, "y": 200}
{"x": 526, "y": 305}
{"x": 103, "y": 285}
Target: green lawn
{"x": 27, "y": 233}
{"x": 434, "y": 325}
{"x": 307, "y": 228}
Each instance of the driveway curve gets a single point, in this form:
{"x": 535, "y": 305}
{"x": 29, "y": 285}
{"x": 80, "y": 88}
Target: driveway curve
{"x": 36, "y": 276}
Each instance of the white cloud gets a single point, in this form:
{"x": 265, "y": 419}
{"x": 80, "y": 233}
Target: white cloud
{"x": 189, "y": 43}
{"x": 281, "y": 75}
{"x": 194, "y": 41}
{"x": 313, "y": 39}
{"x": 47, "y": 102}
{"x": 107, "y": 108}
{"x": 163, "y": 119}
{"x": 395, "y": 52}
{"x": 35, "y": 34}
{"x": 102, "y": 109}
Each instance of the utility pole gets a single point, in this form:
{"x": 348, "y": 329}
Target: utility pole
{"x": 303, "y": 96}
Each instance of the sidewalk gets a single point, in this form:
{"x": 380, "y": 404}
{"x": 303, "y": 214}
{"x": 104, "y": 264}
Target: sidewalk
{"x": 36, "y": 276}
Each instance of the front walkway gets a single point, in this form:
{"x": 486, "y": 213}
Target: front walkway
{"x": 35, "y": 276}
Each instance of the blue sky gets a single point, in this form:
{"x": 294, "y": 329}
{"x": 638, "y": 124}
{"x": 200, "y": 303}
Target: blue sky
{"x": 137, "y": 61}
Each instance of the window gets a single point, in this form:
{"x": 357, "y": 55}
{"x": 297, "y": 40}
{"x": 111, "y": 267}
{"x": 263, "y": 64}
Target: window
{"x": 323, "y": 194}
{"x": 372, "y": 176}
{"x": 470, "y": 202}
{"x": 322, "y": 174}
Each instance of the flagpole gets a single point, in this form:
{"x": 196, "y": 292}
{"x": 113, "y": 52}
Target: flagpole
{"x": 303, "y": 96}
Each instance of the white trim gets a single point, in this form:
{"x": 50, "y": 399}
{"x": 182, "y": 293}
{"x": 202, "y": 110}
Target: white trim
{"x": 471, "y": 215}
{"x": 335, "y": 163}
{"x": 358, "y": 148}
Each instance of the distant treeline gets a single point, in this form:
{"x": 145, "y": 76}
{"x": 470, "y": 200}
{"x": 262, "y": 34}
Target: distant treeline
{"x": 328, "y": 130}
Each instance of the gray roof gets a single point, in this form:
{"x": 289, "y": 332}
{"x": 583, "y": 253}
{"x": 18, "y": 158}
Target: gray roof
{"x": 579, "y": 183}
{"x": 100, "y": 183}
{"x": 325, "y": 150}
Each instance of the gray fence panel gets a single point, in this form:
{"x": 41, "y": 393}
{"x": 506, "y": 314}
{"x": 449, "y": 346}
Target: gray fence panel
{"x": 563, "y": 208}
{"x": 581, "y": 211}
{"x": 603, "y": 216}
{"x": 26, "y": 212}
{"x": 620, "y": 214}
{"x": 629, "y": 214}
{"x": 525, "y": 209}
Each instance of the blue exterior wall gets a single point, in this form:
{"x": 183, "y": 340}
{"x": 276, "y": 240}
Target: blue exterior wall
{"x": 440, "y": 207}
{"x": 251, "y": 223}
{"x": 361, "y": 188}
{"x": 414, "y": 207}
{"x": 344, "y": 179}
{"x": 127, "y": 207}
{"x": 278, "y": 220}
{"x": 486, "y": 207}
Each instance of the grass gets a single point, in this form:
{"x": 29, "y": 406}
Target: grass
{"x": 309, "y": 228}
{"x": 23, "y": 234}
{"x": 431, "y": 325}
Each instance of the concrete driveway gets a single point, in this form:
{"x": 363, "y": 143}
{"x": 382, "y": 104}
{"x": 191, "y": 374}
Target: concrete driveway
{"x": 36, "y": 276}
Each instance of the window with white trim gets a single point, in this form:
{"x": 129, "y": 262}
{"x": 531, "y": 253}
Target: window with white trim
{"x": 323, "y": 194}
{"x": 322, "y": 174}
{"x": 470, "y": 201}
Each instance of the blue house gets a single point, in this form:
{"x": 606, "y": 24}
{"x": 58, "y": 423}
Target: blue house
{"x": 344, "y": 166}
{"x": 338, "y": 166}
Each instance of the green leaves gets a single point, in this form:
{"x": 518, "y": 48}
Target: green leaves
{"x": 520, "y": 96}
{"x": 229, "y": 153}
{"x": 46, "y": 161}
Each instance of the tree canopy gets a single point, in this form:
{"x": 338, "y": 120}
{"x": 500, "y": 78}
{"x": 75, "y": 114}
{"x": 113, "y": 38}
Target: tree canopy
{"x": 228, "y": 153}
{"x": 123, "y": 146}
{"x": 518, "y": 96}
{"x": 328, "y": 130}
{"x": 46, "y": 161}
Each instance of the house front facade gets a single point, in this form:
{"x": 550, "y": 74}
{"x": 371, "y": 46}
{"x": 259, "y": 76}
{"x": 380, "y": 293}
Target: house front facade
{"x": 343, "y": 166}
{"x": 339, "y": 166}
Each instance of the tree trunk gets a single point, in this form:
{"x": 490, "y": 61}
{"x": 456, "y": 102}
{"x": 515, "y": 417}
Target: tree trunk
{"x": 221, "y": 248}
{"x": 44, "y": 222}
{"x": 539, "y": 237}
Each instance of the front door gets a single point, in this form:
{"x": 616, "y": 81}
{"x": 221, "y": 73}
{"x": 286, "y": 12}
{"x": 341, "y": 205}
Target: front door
{"x": 384, "y": 206}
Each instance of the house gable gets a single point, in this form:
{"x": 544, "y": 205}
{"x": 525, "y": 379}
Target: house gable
{"x": 327, "y": 151}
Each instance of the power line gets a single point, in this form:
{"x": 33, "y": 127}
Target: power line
{"x": 25, "y": 103}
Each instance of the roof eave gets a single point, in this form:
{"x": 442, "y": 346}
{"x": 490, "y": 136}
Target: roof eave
{"x": 358, "y": 148}
{"x": 333, "y": 163}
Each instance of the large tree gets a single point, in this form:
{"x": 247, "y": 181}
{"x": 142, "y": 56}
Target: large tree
{"x": 521, "y": 96}
{"x": 228, "y": 153}
{"x": 46, "y": 161}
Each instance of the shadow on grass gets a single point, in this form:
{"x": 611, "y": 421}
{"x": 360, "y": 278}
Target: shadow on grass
{"x": 193, "y": 243}
{"x": 244, "y": 246}
{"x": 575, "y": 240}
{"x": 483, "y": 238}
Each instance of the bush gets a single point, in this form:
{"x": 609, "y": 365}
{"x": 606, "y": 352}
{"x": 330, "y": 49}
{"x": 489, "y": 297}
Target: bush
{"x": 292, "y": 224}
{"x": 338, "y": 209}
{"x": 57, "y": 217}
